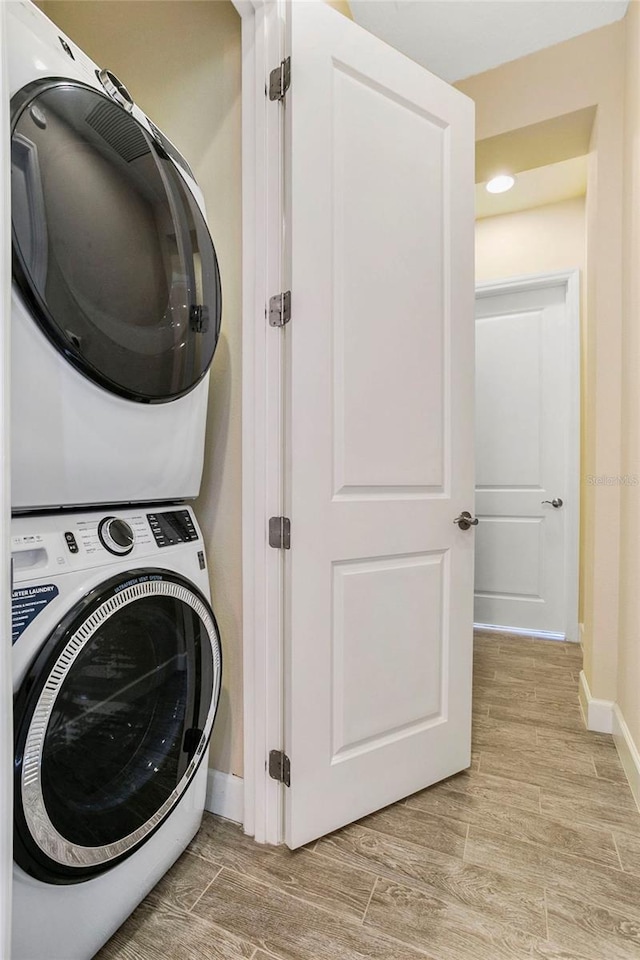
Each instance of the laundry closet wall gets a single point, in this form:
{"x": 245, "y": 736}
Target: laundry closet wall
{"x": 181, "y": 60}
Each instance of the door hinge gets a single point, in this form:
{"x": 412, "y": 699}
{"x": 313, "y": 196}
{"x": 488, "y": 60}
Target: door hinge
{"x": 280, "y": 80}
{"x": 280, "y": 309}
{"x": 280, "y": 533}
{"x": 280, "y": 767}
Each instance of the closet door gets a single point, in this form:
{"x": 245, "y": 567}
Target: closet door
{"x": 380, "y": 425}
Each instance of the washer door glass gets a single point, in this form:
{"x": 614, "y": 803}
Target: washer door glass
{"x": 116, "y": 717}
{"x": 110, "y": 249}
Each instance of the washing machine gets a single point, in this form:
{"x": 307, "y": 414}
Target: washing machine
{"x": 116, "y": 301}
{"x": 116, "y": 671}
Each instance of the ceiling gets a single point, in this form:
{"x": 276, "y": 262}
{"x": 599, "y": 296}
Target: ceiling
{"x": 458, "y": 38}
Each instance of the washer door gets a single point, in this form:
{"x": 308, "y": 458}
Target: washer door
{"x": 110, "y": 249}
{"x": 112, "y": 723}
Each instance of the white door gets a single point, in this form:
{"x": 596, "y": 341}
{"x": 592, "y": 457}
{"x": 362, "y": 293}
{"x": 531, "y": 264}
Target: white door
{"x": 379, "y": 428}
{"x": 526, "y": 433}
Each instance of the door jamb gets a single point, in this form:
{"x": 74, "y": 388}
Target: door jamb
{"x": 570, "y": 280}
{"x": 263, "y": 43}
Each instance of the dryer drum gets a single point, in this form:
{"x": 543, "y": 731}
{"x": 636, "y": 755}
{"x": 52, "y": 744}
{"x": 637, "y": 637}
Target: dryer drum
{"x": 111, "y": 251}
{"x": 112, "y": 722}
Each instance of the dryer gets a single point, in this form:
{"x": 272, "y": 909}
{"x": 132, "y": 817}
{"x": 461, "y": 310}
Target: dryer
{"x": 116, "y": 301}
{"x": 116, "y": 674}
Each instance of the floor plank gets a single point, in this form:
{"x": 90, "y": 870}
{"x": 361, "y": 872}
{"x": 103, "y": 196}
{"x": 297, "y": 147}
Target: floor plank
{"x": 510, "y": 822}
{"x": 568, "y": 874}
{"x": 341, "y": 889}
{"x": 445, "y": 877}
{"x": 557, "y": 716}
{"x": 629, "y": 850}
{"x": 582, "y": 809}
{"x": 497, "y": 790}
{"x": 156, "y": 930}
{"x": 594, "y": 931}
{"x": 405, "y": 823}
{"x": 448, "y": 932}
{"x": 185, "y": 883}
{"x": 502, "y": 761}
{"x": 290, "y": 928}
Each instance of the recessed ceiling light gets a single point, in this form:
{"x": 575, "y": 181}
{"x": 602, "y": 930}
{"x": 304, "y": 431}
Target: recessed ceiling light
{"x": 501, "y": 184}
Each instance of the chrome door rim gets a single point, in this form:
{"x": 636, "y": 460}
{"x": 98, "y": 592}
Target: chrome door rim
{"x": 42, "y": 830}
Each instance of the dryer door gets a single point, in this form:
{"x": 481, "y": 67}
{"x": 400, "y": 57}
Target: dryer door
{"x": 112, "y": 722}
{"x": 111, "y": 251}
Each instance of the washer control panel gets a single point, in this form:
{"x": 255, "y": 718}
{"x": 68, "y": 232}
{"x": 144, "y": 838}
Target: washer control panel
{"x": 61, "y": 542}
{"x": 169, "y": 528}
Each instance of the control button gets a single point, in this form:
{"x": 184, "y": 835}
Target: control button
{"x": 201, "y": 559}
{"x": 71, "y": 542}
{"x": 116, "y": 536}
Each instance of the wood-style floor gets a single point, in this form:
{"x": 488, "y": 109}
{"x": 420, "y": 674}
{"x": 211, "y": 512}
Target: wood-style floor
{"x": 533, "y": 852}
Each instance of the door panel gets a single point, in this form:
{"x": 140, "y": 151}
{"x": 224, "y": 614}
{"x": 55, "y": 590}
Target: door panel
{"x": 379, "y": 427}
{"x": 399, "y": 597}
{"x": 522, "y": 410}
{"x": 402, "y": 282}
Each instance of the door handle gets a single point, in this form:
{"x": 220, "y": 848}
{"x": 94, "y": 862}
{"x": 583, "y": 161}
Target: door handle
{"x": 556, "y": 502}
{"x": 465, "y": 520}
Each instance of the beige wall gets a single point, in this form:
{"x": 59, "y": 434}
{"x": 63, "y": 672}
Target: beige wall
{"x": 583, "y": 72}
{"x": 342, "y": 6}
{"x": 542, "y": 240}
{"x": 181, "y": 60}
{"x": 629, "y": 646}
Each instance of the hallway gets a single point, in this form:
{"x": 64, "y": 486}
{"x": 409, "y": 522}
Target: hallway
{"x": 533, "y": 852}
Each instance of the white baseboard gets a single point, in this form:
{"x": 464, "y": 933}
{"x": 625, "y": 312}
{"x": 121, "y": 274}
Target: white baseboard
{"x": 628, "y": 752}
{"x": 521, "y": 632}
{"x": 225, "y": 795}
{"x": 598, "y": 714}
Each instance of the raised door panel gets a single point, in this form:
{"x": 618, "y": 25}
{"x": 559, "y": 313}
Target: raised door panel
{"x": 389, "y": 287}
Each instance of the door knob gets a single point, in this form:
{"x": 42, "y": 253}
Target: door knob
{"x": 556, "y": 502}
{"x": 465, "y": 520}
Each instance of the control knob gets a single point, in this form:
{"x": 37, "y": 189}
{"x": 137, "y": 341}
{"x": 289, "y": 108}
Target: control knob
{"x": 116, "y": 536}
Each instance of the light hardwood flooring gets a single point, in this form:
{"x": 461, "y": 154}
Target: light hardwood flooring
{"x": 532, "y": 853}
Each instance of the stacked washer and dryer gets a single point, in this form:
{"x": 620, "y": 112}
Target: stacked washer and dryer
{"x": 115, "y": 318}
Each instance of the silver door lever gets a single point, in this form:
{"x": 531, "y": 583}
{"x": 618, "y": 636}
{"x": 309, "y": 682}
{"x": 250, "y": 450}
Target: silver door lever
{"x": 465, "y": 520}
{"x": 556, "y": 502}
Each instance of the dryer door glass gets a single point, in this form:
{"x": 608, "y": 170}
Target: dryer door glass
{"x": 117, "y": 721}
{"x": 111, "y": 251}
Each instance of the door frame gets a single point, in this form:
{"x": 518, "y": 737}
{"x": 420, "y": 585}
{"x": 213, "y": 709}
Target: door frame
{"x": 570, "y": 280}
{"x": 263, "y": 24}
